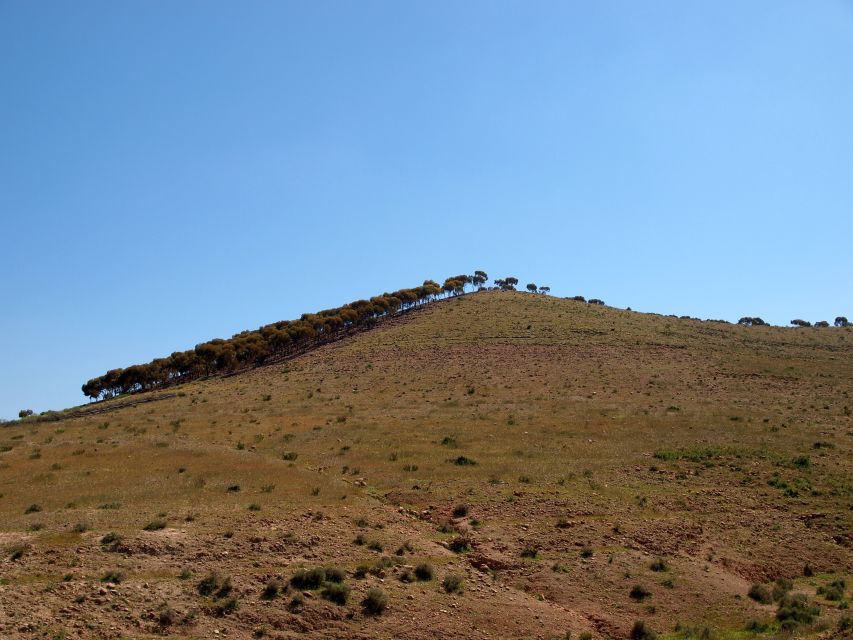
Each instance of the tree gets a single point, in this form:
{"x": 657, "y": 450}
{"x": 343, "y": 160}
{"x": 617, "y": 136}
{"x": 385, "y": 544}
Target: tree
{"x": 25, "y": 413}
{"x": 751, "y": 322}
{"x": 511, "y": 282}
{"x": 532, "y": 288}
{"x": 479, "y": 279}
{"x": 801, "y": 323}
{"x": 596, "y": 301}
{"x": 822, "y": 324}
{"x": 841, "y": 321}
{"x": 544, "y": 290}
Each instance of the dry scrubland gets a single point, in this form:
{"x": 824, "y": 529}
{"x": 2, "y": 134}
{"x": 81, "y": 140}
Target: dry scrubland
{"x": 579, "y": 468}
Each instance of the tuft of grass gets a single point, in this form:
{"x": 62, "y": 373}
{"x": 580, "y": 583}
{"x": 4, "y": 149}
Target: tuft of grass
{"x": 452, "y": 583}
{"x": 424, "y": 572}
{"x": 639, "y": 593}
{"x": 336, "y": 592}
{"x": 155, "y": 525}
{"x": 760, "y": 593}
{"x": 659, "y": 564}
{"x": 641, "y": 632}
{"x": 115, "y": 576}
{"x": 214, "y": 584}
{"x": 375, "y": 602}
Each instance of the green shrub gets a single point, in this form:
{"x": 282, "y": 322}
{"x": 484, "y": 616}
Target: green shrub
{"x": 308, "y": 578}
{"x": 659, "y": 565}
{"x": 115, "y": 576}
{"x": 424, "y": 571}
{"x": 272, "y": 588}
{"x": 336, "y": 592}
{"x": 225, "y": 606}
{"x": 452, "y": 583}
{"x": 795, "y": 609}
{"x": 639, "y": 593}
{"x": 530, "y": 552}
{"x": 463, "y": 461}
{"x": 33, "y": 508}
{"x": 459, "y": 544}
{"x": 641, "y": 632}
{"x": 760, "y": 594}
{"x": 460, "y": 510}
{"x": 155, "y": 525}
{"x": 375, "y": 602}
{"x": 214, "y": 585}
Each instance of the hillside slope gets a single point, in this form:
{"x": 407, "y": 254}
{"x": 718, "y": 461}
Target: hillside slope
{"x": 580, "y": 444}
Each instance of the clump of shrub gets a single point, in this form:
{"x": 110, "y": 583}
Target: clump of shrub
{"x": 659, "y": 564}
{"x": 336, "y": 592}
{"x": 33, "y": 508}
{"x": 225, "y": 606}
{"x": 760, "y": 593}
{"x": 272, "y": 589}
{"x": 641, "y": 632}
{"x": 639, "y": 593}
{"x": 795, "y": 609}
{"x": 464, "y": 461}
{"x": 530, "y": 552}
{"x": 424, "y": 571}
{"x": 215, "y": 585}
{"x": 375, "y": 602}
{"x": 452, "y": 583}
{"x": 115, "y": 576}
{"x": 460, "y": 510}
{"x": 166, "y": 615}
{"x": 308, "y": 579}
{"x": 459, "y": 544}
{"x": 17, "y": 551}
{"x": 834, "y": 591}
{"x": 155, "y": 525}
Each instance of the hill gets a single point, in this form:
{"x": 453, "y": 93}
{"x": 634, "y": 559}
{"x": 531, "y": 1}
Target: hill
{"x": 575, "y": 468}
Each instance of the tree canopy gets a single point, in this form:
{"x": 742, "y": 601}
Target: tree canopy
{"x": 273, "y": 341}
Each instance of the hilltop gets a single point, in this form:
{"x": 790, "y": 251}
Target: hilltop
{"x": 498, "y": 464}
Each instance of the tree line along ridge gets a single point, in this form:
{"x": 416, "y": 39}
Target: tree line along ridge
{"x": 283, "y": 339}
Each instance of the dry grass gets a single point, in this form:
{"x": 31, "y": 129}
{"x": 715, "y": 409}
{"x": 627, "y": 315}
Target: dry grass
{"x": 647, "y": 438}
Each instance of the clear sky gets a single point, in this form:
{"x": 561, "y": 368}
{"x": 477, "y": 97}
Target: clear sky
{"x": 172, "y": 172}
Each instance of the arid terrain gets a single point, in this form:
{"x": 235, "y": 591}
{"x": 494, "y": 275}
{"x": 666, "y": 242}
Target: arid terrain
{"x": 495, "y": 465}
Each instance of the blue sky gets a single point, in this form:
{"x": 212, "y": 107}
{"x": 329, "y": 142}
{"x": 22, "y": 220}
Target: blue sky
{"x": 172, "y": 172}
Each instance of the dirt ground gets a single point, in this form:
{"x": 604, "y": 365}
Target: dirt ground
{"x": 578, "y": 468}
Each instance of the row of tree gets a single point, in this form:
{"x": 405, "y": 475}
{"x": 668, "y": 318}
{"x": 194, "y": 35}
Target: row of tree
{"x": 747, "y": 321}
{"x": 840, "y": 321}
{"x": 274, "y": 341}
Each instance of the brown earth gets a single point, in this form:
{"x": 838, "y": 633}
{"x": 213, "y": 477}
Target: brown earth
{"x": 602, "y": 440}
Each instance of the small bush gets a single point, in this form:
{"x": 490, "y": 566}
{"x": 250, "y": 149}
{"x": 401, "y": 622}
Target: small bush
{"x": 33, "y": 508}
{"x": 290, "y": 456}
{"x": 166, "y": 615}
{"x": 115, "y": 576}
{"x": 225, "y": 606}
{"x": 530, "y": 552}
{"x": 659, "y": 565}
{"x": 214, "y": 585}
{"x": 334, "y": 574}
{"x": 308, "y": 578}
{"x": 834, "y": 591}
{"x": 254, "y": 507}
{"x": 460, "y": 510}
{"x": 795, "y": 609}
{"x": 424, "y": 571}
{"x": 639, "y": 593}
{"x": 452, "y": 583}
{"x": 111, "y": 539}
{"x": 17, "y": 551}
{"x": 375, "y": 602}
{"x": 641, "y": 632}
{"x": 336, "y": 592}
{"x": 375, "y": 545}
{"x": 760, "y": 594}
{"x": 272, "y": 589}
{"x": 407, "y": 576}
{"x": 459, "y": 544}
{"x": 781, "y": 587}
{"x": 155, "y": 525}
{"x": 586, "y": 552}
{"x": 463, "y": 461}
